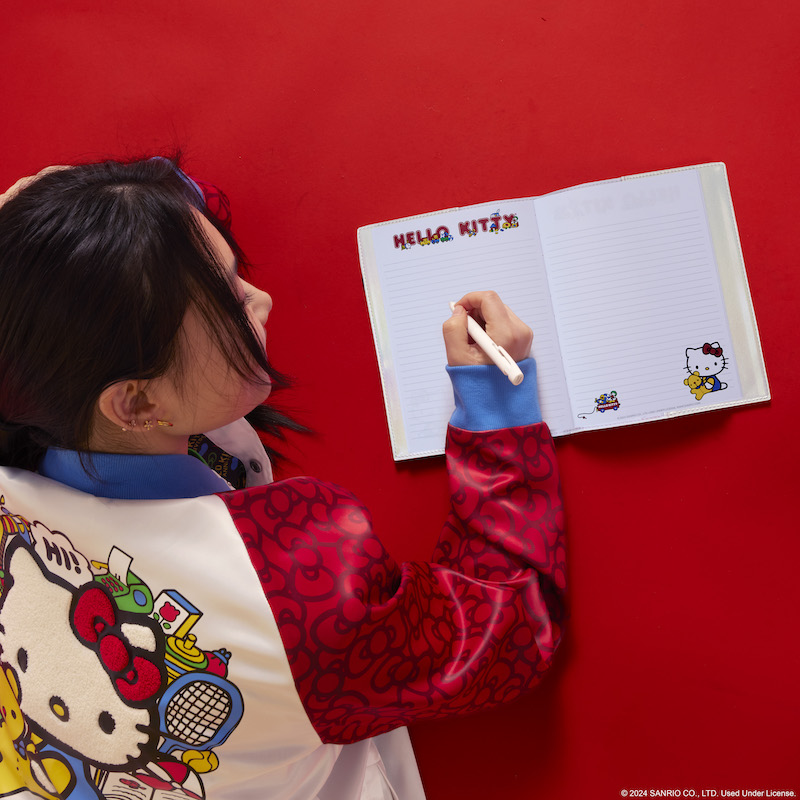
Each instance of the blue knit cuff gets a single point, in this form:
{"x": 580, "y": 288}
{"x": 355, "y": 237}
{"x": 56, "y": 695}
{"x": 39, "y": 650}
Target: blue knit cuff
{"x": 486, "y": 400}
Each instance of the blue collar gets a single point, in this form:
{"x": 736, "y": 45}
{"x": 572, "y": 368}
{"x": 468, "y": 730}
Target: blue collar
{"x": 132, "y": 477}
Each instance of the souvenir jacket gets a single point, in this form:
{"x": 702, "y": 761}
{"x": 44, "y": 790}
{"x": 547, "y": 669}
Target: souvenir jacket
{"x": 226, "y": 646}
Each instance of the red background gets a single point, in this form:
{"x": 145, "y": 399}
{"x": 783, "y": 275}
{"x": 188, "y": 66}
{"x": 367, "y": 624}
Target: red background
{"x": 681, "y": 664}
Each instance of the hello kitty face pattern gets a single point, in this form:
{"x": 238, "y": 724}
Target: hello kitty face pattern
{"x": 374, "y": 644}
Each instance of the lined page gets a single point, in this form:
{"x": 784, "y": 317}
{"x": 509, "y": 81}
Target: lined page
{"x": 634, "y": 285}
{"x": 478, "y": 247}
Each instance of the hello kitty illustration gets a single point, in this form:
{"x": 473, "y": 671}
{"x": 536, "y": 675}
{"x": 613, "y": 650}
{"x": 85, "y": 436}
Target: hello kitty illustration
{"x": 105, "y": 690}
{"x": 87, "y": 675}
{"x": 706, "y": 362}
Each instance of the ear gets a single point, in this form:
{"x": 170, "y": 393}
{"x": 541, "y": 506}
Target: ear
{"x": 126, "y": 405}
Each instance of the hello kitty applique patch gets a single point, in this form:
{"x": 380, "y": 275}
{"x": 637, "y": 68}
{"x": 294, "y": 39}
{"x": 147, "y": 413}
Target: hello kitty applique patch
{"x": 104, "y": 691}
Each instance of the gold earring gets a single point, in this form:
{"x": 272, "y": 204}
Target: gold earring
{"x": 162, "y": 423}
{"x": 148, "y": 425}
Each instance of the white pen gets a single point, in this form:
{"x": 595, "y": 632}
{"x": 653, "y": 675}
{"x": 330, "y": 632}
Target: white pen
{"x": 507, "y": 365}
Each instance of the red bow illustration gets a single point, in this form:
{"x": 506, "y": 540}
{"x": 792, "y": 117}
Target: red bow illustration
{"x": 94, "y": 620}
{"x": 711, "y": 350}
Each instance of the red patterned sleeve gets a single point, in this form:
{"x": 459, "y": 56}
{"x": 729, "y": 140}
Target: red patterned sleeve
{"x": 374, "y": 645}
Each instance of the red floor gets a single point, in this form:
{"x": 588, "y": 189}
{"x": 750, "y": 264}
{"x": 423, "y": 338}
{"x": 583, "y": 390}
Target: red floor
{"x": 681, "y": 665}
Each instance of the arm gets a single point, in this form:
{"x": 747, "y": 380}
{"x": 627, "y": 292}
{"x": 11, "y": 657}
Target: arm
{"x": 374, "y": 645}
{"x": 14, "y": 190}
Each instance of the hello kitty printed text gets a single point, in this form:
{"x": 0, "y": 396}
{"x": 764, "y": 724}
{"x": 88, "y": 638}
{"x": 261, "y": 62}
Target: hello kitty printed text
{"x": 495, "y": 223}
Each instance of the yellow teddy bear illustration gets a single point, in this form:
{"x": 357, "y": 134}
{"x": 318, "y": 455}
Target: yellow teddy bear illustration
{"x": 20, "y": 766}
{"x": 697, "y": 385}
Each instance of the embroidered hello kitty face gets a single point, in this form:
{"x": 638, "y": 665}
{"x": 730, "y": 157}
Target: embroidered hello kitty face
{"x": 706, "y": 360}
{"x": 80, "y": 670}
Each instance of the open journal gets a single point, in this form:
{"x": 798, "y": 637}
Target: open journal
{"x": 635, "y": 289}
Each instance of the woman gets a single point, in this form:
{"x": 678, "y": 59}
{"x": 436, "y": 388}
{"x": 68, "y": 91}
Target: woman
{"x": 163, "y": 633}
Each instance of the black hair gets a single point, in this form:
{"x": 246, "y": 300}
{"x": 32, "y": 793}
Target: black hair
{"x": 99, "y": 263}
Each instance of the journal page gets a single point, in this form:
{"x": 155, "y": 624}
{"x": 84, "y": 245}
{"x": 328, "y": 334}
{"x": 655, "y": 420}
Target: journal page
{"x": 412, "y": 269}
{"x": 637, "y": 299}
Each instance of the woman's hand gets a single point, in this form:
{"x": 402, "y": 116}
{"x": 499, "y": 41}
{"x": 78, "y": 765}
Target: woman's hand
{"x": 501, "y": 323}
{"x": 23, "y": 182}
